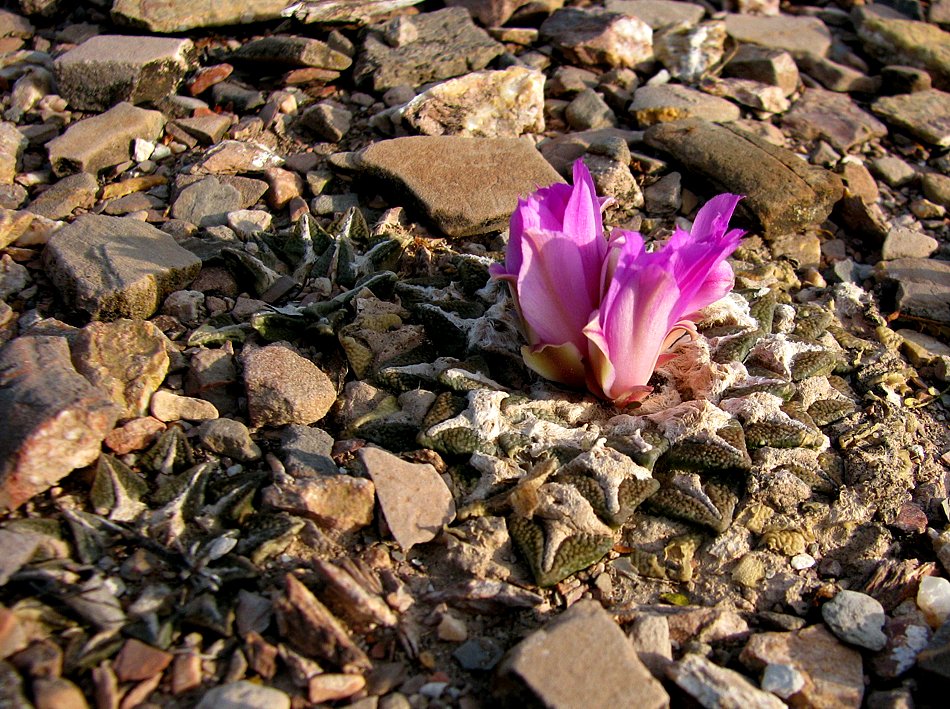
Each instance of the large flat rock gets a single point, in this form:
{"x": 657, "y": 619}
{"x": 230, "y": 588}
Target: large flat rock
{"x": 923, "y": 287}
{"x": 53, "y": 419}
{"x": 580, "y": 659}
{"x": 107, "y": 69}
{"x": 925, "y": 114}
{"x": 465, "y": 186}
{"x": 783, "y": 193}
{"x": 113, "y": 267}
{"x": 178, "y": 15}
{"x": 901, "y": 41}
{"x": 798, "y": 35}
{"x": 102, "y": 141}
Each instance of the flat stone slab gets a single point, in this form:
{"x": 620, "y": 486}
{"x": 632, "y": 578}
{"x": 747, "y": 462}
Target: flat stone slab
{"x": 896, "y": 41}
{"x": 673, "y": 102}
{"x": 714, "y": 686}
{"x": 166, "y": 16}
{"x": 659, "y": 13}
{"x": 783, "y": 193}
{"x": 798, "y": 35}
{"x": 292, "y": 51}
{"x": 925, "y": 114}
{"x": 413, "y": 497}
{"x": 923, "y": 287}
{"x": 833, "y": 117}
{"x": 427, "y": 47}
{"x": 113, "y": 267}
{"x": 580, "y": 659}
{"x": 465, "y": 186}
{"x": 93, "y": 144}
{"x": 107, "y": 69}
{"x": 53, "y": 419}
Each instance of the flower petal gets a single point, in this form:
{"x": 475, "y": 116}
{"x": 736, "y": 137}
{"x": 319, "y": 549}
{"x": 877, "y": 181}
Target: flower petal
{"x": 558, "y": 363}
{"x": 555, "y": 290}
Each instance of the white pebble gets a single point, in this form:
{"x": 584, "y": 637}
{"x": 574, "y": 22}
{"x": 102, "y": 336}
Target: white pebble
{"x": 802, "y": 561}
{"x": 142, "y": 150}
{"x": 933, "y": 599}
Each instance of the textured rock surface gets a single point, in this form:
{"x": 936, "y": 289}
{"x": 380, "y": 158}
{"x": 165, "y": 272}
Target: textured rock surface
{"x": 464, "y": 186}
{"x": 783, "y": 193}
{"x": 562, "y": 664}
{"x": 54, "y": 419}
{"x": 107, "y": 69}
{"x": 166, "y": 16}
{"x": 112, "y": 267}
{"x": 283, "y": 387}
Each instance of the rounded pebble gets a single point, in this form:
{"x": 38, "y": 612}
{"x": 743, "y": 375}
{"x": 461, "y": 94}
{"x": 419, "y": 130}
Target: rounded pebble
{"x": 933, "y": 599}
{"x": 856, "y": 618}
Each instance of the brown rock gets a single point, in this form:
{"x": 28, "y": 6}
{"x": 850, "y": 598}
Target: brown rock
{"x": 465, "y": 186}
{"x": 832, "y": 117}
{"x": 135, "y": 435}
{"x": 925, "y": 114}
{"x": 283, "y": 387}
{"x": 563, "y": 665}
{"x": 125, "y": 359}
{"x": 13, "y": 636}
{"x": 340, "y": 503}
{"x": 923, "y": 287}
{"x": 833, "y": 672}
{"x": 330, "y": 687}
{"x": 284, "y": 186}
{"x": 12, "y": 145}
{"x": 782, "y": 192}
{"x": 66, "y": 195}
{"x": 208, "y": 76}
{"x": 137, "y": 661}
{"x": 314, "y": 631}
{"x": 596, "y": 36}
{"x": 186, "y": 672}
{"x": 57, "y": 693}
{"x": 54, "y": 419}
{"x": 176, "y": 16}
{"x": 102, "y": 141}
{"x": 413, "y": 497}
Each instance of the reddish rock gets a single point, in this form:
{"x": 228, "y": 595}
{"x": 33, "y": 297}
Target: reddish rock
{"x": 54, "y": 419}
{"x": 136, "y": 435}
{"x": 834, "y": 673}
{"x": 137, "y": 661}
{"x": 283, "y": 387}
{"x": 284, "y": 186}
{"x": 208, "y": 76}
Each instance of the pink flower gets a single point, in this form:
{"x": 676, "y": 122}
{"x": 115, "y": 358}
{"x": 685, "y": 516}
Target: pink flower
{"x": 604, "y": 314}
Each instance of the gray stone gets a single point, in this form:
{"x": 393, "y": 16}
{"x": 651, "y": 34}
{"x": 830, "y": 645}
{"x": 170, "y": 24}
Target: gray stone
{"x": 306, "y": 451}
{"x": 754, "y": 94}
{"x": 414, "y": 499}
{"x": 713, "y": 686}
{"x": 465, "y": 186}
{"x": 659, "y": 13}
{"x": 12, "y": 145}
{"x": 837, "y": 77}
{"x": 327, "y": 204}
{"x": 244, "y": 695}
{"x": 936, "y": 187}
{"x": 899, "y": 79}
{"x": 207, "y": 129}
{"x": 54, "y": 420}
{"x": 228, "y": 437}
{"x": 597, "y": 37}
{"x": 902, "y": 242}
{"x": 13, "y": 277}
{"x": 187, "y": 306}
{"x": 563, "y": 665}
{"x": 107, "y": 69}
{"x": 166, "y": 16}
{"x": 114, "y": 267}
{"x": 290, "y": 51}
{"x": 206, "y": 202}
{"x": 665, "y": 195}
{"x": 893, "y": 170}
{"x": 673, "y": 102}
{"x": 923, "y": 287}
{"x": 613, "y": 178}
{"x": 562, "y": 150}
{"x": 798, "y": 35}
{"x": 925, "y": 114}
{"x": 783, "y": 193}
{"x": 446, "y": 43}
{"x": 481, "y": 654}
{"x": 588, "y": 111}
{"x": 283, "y": 387}
{"x": 774, "y": 67}
{"x": 900, "y": 41}
{"x": 488, "y": 104}
{"x": 102, "y": 141}
{"x": 782, "y": 680}
{"x": 856, "y": 618}
{"x": 650, "y": 637}
{"x": 127, "y": 360}
{"x": 65, "y": 196}
{"x": 832, "y": 117}
{"x": 328, "y": 120}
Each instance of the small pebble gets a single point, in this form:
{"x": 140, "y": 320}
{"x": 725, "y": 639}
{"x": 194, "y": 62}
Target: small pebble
{"x": 933, "y": 599}
{"x": 856, "y": 618}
